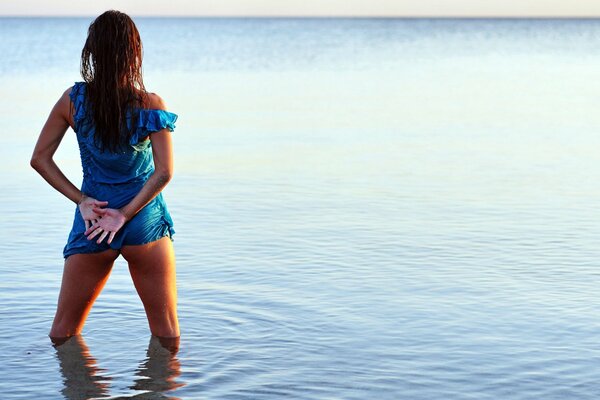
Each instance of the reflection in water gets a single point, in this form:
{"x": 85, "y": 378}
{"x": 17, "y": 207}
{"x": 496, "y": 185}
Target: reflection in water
{"x": 158, "y": 371}
{"x": 83, "y": 379}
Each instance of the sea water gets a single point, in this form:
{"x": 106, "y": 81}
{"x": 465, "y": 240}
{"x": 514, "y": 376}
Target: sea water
{"x": 365, "y": 209}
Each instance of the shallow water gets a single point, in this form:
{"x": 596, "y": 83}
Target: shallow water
{"x": 364, "y": 208}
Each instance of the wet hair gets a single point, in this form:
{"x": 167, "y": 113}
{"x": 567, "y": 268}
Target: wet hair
{"x": 111, "y": 65}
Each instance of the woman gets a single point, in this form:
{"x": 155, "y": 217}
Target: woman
{"x": 124, "y": 139}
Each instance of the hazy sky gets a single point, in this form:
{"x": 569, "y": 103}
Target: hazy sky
{"x": 582, "y": 8}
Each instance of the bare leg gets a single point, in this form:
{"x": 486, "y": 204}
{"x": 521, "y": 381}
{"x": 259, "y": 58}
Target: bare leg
{"x": 84, "y": 277}
{"x": 152, "y": 268}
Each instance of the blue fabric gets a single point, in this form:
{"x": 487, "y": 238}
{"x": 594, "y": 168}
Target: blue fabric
{"x": 118, "y": 177}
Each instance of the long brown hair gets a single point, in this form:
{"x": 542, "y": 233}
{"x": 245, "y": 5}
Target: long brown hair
{"x": 111, "y": 65}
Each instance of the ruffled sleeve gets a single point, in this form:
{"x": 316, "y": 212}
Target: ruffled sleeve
{"x": 149, "y": 121}
{"x": 77, "y": 96}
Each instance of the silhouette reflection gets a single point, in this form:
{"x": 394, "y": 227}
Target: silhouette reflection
{"x": 158, "y": 371}
{"x": 83, "y": 379}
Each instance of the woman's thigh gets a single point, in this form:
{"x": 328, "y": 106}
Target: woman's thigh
{"x": 84, "y": 276}
{"x": 152, "y": 268}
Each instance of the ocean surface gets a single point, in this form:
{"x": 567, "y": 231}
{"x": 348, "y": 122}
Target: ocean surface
{"x": 365, "y": 209}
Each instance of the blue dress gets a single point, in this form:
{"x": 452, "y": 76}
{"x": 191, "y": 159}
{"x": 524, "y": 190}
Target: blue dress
{"x": 118, "y": 178}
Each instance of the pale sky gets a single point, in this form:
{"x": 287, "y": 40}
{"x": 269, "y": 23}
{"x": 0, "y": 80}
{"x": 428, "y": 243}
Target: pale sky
{"x": 446, "y": 8}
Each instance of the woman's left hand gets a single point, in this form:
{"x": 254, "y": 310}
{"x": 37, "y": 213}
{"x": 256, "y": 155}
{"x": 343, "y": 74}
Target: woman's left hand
{"x": 111, "y": 220}
{"x": 87, "y": 205}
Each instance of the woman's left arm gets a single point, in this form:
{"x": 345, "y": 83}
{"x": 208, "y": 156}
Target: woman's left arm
{"x": 50, "y": 137}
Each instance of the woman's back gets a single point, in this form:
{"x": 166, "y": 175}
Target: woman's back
{"x": 118, "y": 176}
{"x": 134, "y": 162}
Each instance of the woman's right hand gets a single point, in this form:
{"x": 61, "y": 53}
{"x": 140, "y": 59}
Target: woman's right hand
{"x": 86, "y": 208}
{"x": 112, "y": 220}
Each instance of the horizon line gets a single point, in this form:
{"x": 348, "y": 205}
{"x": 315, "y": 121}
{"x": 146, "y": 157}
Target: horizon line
{"x": 379, "y": 16}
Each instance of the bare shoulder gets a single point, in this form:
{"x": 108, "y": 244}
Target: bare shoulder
{"x": 67, "y": 92}
{"x": 64, "y": 106}
{"x": 65, "y": 98}
{"x": 155, "y": 102}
